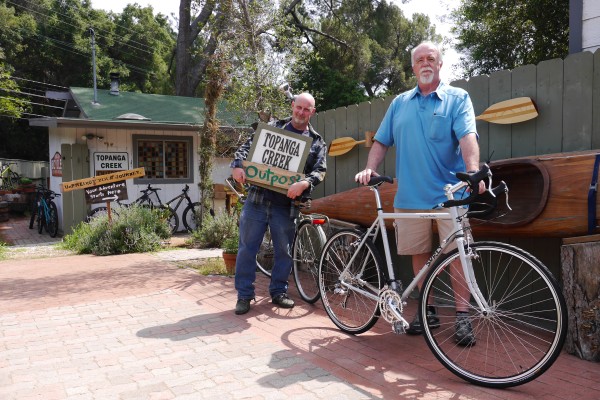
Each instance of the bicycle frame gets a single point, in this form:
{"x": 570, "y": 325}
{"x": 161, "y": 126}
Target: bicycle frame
{"x": 458, "y": 237}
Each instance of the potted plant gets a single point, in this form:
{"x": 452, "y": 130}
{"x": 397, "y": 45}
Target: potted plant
{"x": 230, "y": 250}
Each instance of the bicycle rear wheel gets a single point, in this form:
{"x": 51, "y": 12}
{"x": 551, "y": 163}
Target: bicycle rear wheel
{"x": 307, "y": 250}
{"x": 522, "y": 333}
{"x": 350, "y": 291}
{"x": 266, "y": 254}
{"x": 41, "y": 221}
{"x": 52, "y": 223}
{"x": 191, "y": 216}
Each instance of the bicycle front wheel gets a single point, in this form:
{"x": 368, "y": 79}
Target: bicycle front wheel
{"x": 52, "y": 223}
{"x": 307, "y": 250}
{"x": 191, "y": 216}
{"x": 521, "y": 333}
{"x": 350, "y": 290}
{"x": 266, "y": 254}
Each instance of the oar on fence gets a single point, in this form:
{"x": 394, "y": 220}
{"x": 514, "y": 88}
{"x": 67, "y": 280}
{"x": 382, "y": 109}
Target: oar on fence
{"x": 510, "y": 111}
{"x": 505, "y": 112}
{"x": 343, "y": 145}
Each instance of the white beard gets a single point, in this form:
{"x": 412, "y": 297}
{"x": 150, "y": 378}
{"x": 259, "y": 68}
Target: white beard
{"x": 426, "y": 79}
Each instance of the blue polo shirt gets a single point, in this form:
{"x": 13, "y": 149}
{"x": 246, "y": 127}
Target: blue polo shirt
{"x": 425, "y": 131}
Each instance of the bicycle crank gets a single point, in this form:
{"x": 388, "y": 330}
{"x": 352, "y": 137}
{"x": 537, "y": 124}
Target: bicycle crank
{"x": 390, "y": 305}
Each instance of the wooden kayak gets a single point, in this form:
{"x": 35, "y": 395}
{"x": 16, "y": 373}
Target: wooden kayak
{"x": 548, "y": 195}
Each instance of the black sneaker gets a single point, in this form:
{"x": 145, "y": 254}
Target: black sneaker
{"x": 464, "y": 331}
{"x": 416, "y": 328}
{"x": 242, "y": 306}
{"x": 283, "y": 300}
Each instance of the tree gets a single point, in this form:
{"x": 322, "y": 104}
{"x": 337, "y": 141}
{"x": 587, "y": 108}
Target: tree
{"x": 504, "y": 34}
{"x": 365, "y": 43}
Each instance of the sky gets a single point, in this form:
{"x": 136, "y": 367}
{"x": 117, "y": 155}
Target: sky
{"x": 435, "y": 9}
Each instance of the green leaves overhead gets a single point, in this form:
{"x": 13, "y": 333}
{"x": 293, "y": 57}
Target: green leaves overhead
{"x": 504, "y": 34}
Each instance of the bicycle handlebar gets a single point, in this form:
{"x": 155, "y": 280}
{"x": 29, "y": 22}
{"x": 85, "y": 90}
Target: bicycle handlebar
{"x": 472, "y": 180}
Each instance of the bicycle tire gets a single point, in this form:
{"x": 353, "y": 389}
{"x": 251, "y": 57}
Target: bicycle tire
{"x": 521, "y": 336}
{"x": 41, "y": 221}
{"x": 307, "y": 250}
{"x": 266, "y": 254}
{"x": 100, "y": 212}
{"x": 191, "y": 216}
{"x": 52, "y": 223}
{"x": 34, "y": 211}
{"x": 172, "y": 218}
{"x": 349, "y": 309}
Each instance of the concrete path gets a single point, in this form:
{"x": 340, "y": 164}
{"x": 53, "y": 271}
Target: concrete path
{"x": 139, "y": 327}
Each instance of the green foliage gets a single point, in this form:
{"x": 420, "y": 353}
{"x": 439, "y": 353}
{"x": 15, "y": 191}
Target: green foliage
{"x": 2, "y": 250}
{"x": 231, "y": 244}
{"x": 134, "y": 230}
{"x": 371, "y": 53}
{"x": 502, "y": 34}
{"x": 215, "y": 230}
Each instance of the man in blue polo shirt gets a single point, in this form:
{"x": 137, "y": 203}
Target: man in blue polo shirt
{"x": 433, "y": 130}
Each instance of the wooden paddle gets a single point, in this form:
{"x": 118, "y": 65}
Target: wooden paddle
{"x": 510, "y": 111}
{"x": 343, "y": 145}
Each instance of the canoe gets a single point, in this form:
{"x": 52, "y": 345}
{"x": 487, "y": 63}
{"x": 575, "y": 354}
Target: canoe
{"x": 548, "y": 195}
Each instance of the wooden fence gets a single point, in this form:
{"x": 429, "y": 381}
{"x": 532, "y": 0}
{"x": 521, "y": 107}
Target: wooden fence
{"x": 566, "y": 92}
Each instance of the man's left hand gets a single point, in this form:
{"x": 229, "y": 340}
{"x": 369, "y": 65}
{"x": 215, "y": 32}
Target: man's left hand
{"x": 297, "y": 189}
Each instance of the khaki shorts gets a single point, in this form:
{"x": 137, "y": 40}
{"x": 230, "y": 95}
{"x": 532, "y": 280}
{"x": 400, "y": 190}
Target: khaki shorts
{"x": 415, "y": 236}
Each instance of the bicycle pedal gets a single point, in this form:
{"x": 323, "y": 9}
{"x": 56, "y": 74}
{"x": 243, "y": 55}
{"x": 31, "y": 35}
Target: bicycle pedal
{"x": 400, "y": 327}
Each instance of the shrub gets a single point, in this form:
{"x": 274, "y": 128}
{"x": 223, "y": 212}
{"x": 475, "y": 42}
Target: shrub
{"x": 134, "y": 230}
{"x": 2, "y": 250}
{"x": 215, "y": 230}
{"x": 231, "y": 244}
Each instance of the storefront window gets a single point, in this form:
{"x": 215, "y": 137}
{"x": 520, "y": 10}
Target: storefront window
{"x": 164, "y": 158}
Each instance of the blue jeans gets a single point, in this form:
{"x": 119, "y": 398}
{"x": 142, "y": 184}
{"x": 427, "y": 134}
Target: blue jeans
{"x": 253, "y": 224}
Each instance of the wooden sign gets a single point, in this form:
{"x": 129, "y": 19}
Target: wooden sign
{"x": 102, "y": 179}
{"x": 106, "y": 193}
{"x": 273, "y": 178}
{"x": 276, "y": 158}
{"x": 279, "y": 148}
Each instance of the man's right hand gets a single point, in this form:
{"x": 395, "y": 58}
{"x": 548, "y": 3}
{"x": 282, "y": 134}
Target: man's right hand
{"x": 364, "y": 176}
{"x": 239, "y": 175}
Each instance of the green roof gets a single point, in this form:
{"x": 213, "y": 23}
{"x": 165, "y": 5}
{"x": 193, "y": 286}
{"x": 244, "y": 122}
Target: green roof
{"x": 154, "y": 108}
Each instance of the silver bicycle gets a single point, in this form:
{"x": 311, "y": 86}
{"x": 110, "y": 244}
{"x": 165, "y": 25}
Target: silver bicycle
{"x": 516, "y": 308}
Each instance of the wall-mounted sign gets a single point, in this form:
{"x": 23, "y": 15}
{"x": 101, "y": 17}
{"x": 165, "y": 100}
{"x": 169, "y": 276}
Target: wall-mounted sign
{"x": 277, "y": 157}
{"x": 102, "y": 179}
{"x": 56, "y": 163}
{"x": 106, "y": 161}
{"x": 105, "y": 193}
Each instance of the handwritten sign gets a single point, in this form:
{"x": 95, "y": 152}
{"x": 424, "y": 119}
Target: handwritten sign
{"x": 273, "y": 178}
{"x": 279, "y": 148}
{"x": 106, "y": 193}
{"x": 276, "y": 158}
{"x": 102, "y": 179}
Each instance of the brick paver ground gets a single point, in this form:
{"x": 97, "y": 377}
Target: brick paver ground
{"x": 138, "y": 327}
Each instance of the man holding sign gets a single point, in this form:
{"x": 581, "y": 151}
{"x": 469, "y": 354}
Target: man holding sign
{"x": 268, "y": 208}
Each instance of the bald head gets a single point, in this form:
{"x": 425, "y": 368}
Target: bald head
{"x": 303, "y": 107}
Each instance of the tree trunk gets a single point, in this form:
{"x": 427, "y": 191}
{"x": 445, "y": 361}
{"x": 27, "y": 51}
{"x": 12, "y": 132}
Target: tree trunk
{"x": 581, "y": 286}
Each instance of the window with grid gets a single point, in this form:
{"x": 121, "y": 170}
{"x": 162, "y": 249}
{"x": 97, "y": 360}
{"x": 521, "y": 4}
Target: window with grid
{"x": 164, "y": 158}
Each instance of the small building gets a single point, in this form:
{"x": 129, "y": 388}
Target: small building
{"x": 105, "y": 131}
